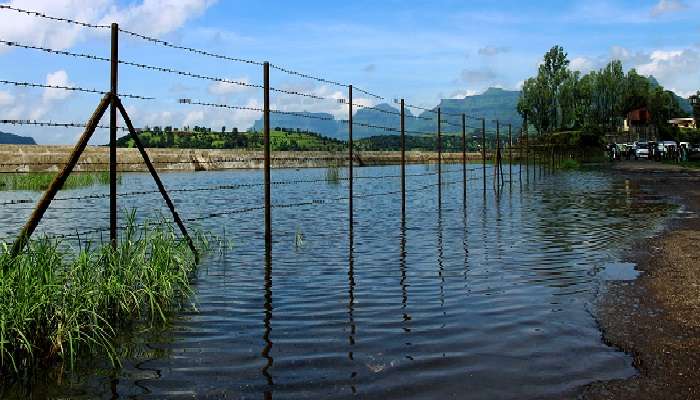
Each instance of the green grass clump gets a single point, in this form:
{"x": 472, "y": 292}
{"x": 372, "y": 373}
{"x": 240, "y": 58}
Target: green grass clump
{"x": 42, "y": 180}
{"x": 55, "y": 306}
{"x": 333, "y": 174}
{"x": 569, "y": 164}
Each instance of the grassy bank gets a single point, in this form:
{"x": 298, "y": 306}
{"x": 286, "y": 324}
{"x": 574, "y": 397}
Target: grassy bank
{"x": 42, "y": 180}
{"x": 56, "y": 305}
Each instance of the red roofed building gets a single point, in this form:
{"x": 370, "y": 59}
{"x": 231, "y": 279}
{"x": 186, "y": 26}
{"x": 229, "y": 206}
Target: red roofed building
{"x": 638, "y": 125}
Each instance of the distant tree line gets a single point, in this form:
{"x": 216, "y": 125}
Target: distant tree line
{"x": 450, "y": 143}
{"x": 559, "y": 99}
{"x": 286, "y": 139}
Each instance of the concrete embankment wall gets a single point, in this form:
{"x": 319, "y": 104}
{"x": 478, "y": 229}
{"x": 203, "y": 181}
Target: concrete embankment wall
{"x": 35, "y": 158}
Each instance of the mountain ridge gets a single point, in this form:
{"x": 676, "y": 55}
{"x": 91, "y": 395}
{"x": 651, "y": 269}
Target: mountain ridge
{"x": 494, "y": 103}
{"x": 11, "y": 138}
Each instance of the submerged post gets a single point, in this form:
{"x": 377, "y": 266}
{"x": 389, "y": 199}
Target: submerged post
{"x": 510, "y": 154}
{"x": 403, "y": 162}
{"x": 114, "y": 70}
{"x": 350, "y": 156}
{"x": 439, "y": 149}
{"x": 464, "y": 159}
{"x": 266, "y": 155}
{"x": 527, "y": 150}
{"x": 498, "y": 155}
{"x": 483, "y": 150}
{"x": 520, "y": 153}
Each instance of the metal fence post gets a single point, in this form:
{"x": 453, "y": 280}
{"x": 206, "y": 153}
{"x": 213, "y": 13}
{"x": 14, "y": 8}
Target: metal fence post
{"x": 520, "y": 153}
{"x": 498, "y": 155}
{"x": 114, "y": 70}
{"x": 527, "y": 149}
{"x": 439, "y": 149}
{"x": 350, "y": 157}
{"x": 510, "y": 154}
{"x": 464, "y": 159}
{"x": 483, "y": 150}
{"x": 266, "y": 151}
{"x": 403, "y": 161}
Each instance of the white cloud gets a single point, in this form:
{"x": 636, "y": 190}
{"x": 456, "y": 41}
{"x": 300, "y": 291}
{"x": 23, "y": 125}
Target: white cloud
{"x": 153, "y": 17}
{"x": 582, "y": 64}
{"x": 330, "y": 105}
{"x": 58, "y": 78}
{"x": 36, "y": 31}
{"x": 194, "y": 118}
{"x": 6, "y": 98}
{"x": 675, "y": 69}
{"x": 460, "y": 94}
{"x": 157, "y": 17}
{"x": 226, "y": 88}
{"x": 668, "y": 6}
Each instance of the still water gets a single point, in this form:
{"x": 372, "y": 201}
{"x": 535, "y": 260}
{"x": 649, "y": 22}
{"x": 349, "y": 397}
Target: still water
{"x": 492, "y": 300}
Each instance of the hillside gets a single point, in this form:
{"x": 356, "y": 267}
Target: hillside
{"x": 494, "y": 103}
{"x": 11, "y": 138}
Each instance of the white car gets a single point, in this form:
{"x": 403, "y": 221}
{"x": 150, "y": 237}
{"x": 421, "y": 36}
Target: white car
{"x": 641, "y": 150}
{"x": 665, "y": 147}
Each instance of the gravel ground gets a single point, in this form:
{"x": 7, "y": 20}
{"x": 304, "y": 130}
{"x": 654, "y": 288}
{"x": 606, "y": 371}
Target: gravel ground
{"x": 656, "y": 317}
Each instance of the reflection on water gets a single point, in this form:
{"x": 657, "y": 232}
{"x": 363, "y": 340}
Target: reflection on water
{"x": 488, "y": 300}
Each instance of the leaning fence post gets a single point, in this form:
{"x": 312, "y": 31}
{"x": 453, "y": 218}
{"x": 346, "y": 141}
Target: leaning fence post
{"x": 114, "y": 70}
{"x": 157, "y": 180}
{"x": 350, "y": 158}
{"x": 60, "y": 179}
{"x": 266, "y": 151}
{"x": 403, "y": 162}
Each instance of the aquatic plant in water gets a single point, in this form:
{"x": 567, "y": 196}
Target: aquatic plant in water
{"x": 333, "y": 174}
{"x": 42, "y": 180}
{"x": 55, "y": 305}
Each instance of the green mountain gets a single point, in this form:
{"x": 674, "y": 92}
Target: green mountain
{"x": 322, "y": 123}
{"x": 11, "y": 138}
{"x": 493, "y": 104}
{"x": 682, "y": 101}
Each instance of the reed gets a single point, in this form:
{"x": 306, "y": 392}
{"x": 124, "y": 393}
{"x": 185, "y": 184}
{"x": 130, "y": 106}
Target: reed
{"x": 570, "y": 164}
{"x": 56, "y": 304}
{"x": 333, "y": 174}
{"x": 41, "y": 180}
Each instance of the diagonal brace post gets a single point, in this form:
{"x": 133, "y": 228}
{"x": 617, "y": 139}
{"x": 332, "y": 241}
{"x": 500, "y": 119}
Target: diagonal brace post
{"x": 156, "y": 178}
{"x": 60, "y": 179}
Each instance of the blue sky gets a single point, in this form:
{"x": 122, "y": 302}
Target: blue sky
{"x": 422, "y": 51}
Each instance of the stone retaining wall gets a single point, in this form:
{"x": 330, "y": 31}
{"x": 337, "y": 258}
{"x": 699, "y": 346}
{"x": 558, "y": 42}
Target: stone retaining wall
{"x": 36, "y": 158}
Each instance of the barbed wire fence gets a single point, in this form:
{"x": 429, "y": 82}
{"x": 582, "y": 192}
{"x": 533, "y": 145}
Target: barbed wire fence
{"x": 455, "y": 125}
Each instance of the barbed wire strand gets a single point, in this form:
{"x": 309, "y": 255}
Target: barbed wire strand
{"x": 70, "y": 88}
{"x": 42, "y": 15}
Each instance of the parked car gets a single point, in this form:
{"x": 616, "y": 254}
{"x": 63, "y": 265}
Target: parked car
{"x": 694, "y": 152}
{"x": 641, "y": 150}
{"x": 666, "y": 149}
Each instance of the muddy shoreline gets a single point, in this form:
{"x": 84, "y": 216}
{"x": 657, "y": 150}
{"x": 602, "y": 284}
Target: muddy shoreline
{"x": 656, "y": 318}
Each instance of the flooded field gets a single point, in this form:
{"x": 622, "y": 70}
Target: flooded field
{"x": 492, "y": 300}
